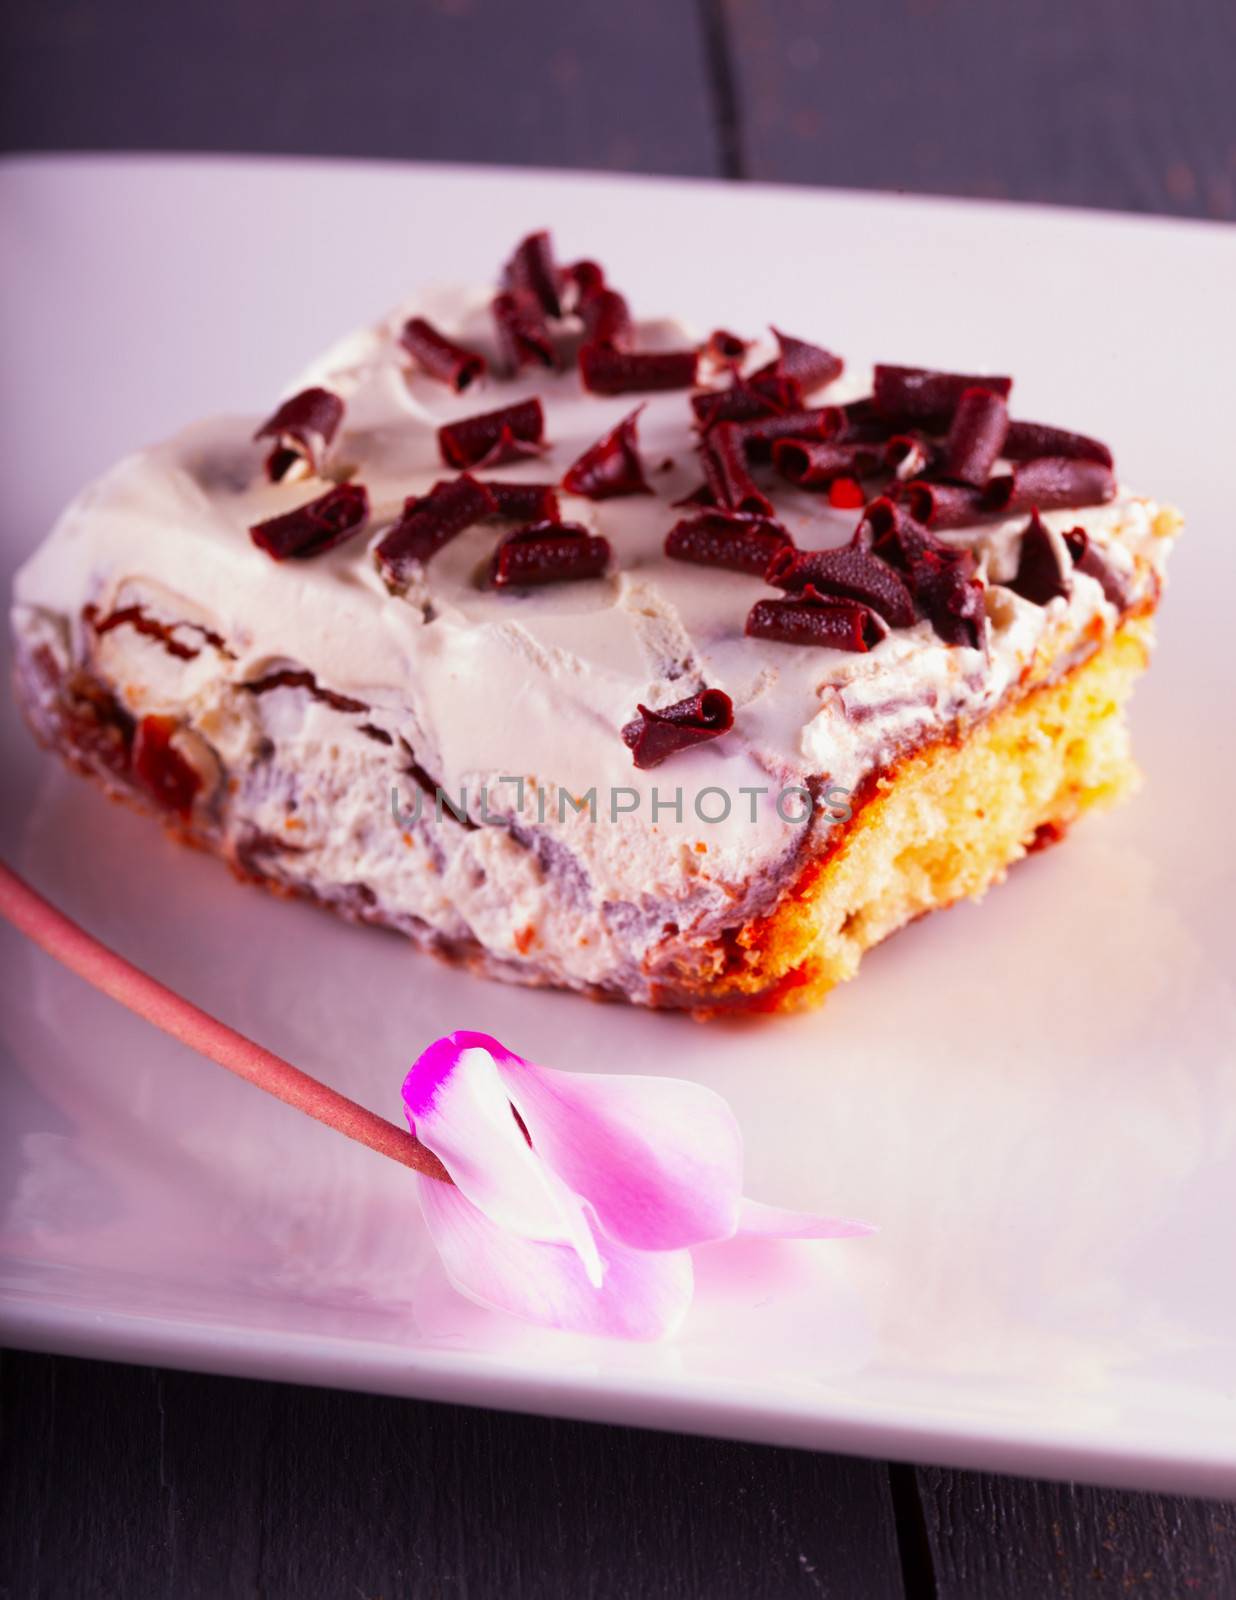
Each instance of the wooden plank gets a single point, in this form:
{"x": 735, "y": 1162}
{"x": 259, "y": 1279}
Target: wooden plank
{"x": 129, "y": 1482}
{"x": 1120, "y": 103}
{"x": 1012, "y": 1539}
{"x": 562, "y": 84}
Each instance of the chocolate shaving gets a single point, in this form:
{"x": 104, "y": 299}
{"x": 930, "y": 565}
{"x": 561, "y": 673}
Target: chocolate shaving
{"x": 531, "y": 271}
{"x": 630, "y": 371}
{"x": 1087, "y": 558}
{"x": 728, "y": 539}
{"x": 439, "y": 357}
{"x": 548, "y": 552}
{"x": 949, "y": 593}
{"x": 493, "y": 437}
{"x": 523, "y": 333}
{"x": 816, "y": 463}
{"x": 583, "y": 278}
{"x": 976, "y": 436}
{"x": 607, "y": 320}
{"x": 808, "y": 366}
{"x": 918, "y": 394}
{"x": 654, "y": 736}
{"x": 316, "y": 527}
{"x": 1050, "y": 482}
{"x": 759, "y": 435}
{"x": 430, "y": 521}
{"x": 1041, "y": 574}
{"x": 170, "y": 780}
{"x": 851, "y": 573}
{"x": 943, "y": 581}
{"x": 525, "y": 502}
{"x": 611, "y": 466}
{"x": 303, "y": 429}
{"x": 943, "y": 505}
{"x": 1026, "y": 440}
{"x": 725, "y": 349}
{"x": 908, "y": 455}
{"x": 726, "y": 474}
{"x": 812, "y": 618}
{"x": 739, "y": 403}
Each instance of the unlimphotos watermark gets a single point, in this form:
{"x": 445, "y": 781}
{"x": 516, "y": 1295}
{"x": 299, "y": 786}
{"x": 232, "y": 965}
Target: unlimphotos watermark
{"x": 795, "y": 804}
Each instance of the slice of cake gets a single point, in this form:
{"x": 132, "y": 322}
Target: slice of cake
{"x": 592, "y": 655}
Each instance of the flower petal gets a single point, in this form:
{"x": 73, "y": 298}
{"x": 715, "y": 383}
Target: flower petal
{"x": 457, "y": 1105}
{"x": 658, "y": 1159}
{"x": 641, "y": 1296}
{"x": 771, "y": 1222}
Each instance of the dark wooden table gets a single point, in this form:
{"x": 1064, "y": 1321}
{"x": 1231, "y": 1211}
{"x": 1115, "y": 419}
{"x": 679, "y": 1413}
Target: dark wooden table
{"x": 130, "y": 1482}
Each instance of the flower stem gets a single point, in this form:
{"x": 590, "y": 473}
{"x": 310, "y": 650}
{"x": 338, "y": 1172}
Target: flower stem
{"x": 89, "y": 958}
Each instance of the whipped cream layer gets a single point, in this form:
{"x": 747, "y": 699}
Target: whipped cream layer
{"x": 480, "y": 689}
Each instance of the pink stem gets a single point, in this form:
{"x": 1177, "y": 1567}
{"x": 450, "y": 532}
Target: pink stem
{"x": 52, "y": 931}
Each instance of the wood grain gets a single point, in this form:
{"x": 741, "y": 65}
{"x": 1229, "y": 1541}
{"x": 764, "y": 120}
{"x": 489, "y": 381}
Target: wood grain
{"x": 555, "y": 84}
{"x": 1118, "y": 103}
{"x": 131, "y": 1482}
{"x": 1011, "y": 1539}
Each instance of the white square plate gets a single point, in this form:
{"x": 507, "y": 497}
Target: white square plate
{"x": 1036, "y": 1098}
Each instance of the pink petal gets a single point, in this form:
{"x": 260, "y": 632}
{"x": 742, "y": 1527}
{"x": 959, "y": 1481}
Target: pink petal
{"x": 771, "y": 1222}
{"x": 640, "y": 1297}
{"x": 457, "y": 1104}
{"x": 658, "y": 1159}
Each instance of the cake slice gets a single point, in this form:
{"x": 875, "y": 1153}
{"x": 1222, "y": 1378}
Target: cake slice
{"x": 592, "y": 655}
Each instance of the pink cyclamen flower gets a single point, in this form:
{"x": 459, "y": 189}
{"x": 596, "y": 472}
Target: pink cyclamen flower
{"x": 576, "y": 1198}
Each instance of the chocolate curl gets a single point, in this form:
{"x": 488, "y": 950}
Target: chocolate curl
{"x": 303, "y": 429}
{"x": 976, "y": 436}
{"x": 944, "y": 505}
{"x": 607, "y": 320}
{"x": 728, "y": 539}
{"x": 759, "y": 436}
{"x": 429, "y": 522}
{"x": 316, "y": 527}
{"x": 907, "y": 456}
{"x": 1026, "y": 440}
{"x": 523, "y": 333}
{"x": 493, "y": 436}
{"x": 531, "y": 272}
{"x": 919, "y": 394}
{"x": 725, "y": 349}
{"x": 726, "y": 474}
{"x": 654, "y": 736}
{"x": 851, "y": 573}
{"x": 815, "y": 464}
{"x": 1041, "y": 574}
{"x": 1049, "y": 482}
{"x": 950, "y": 596}
{"x": 582, "y": 278}
{"x": 949, "y": 593}
{"x": 943, "y": 580}
{"x": 890, "y": 531}
{"x": 632, "y": 371}
{"x": 865, "y": 421}
{"x": 811, "y": 618}
{"x": 439, "y": 357}
{"x": 611, "y": 466}
{"x": 1087, "y": 558}
{"x": 808, "y": 366}
{"x": 739, "y": 403}
{"x": 548, "y": 552}
{"x": 525, "y": 502}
